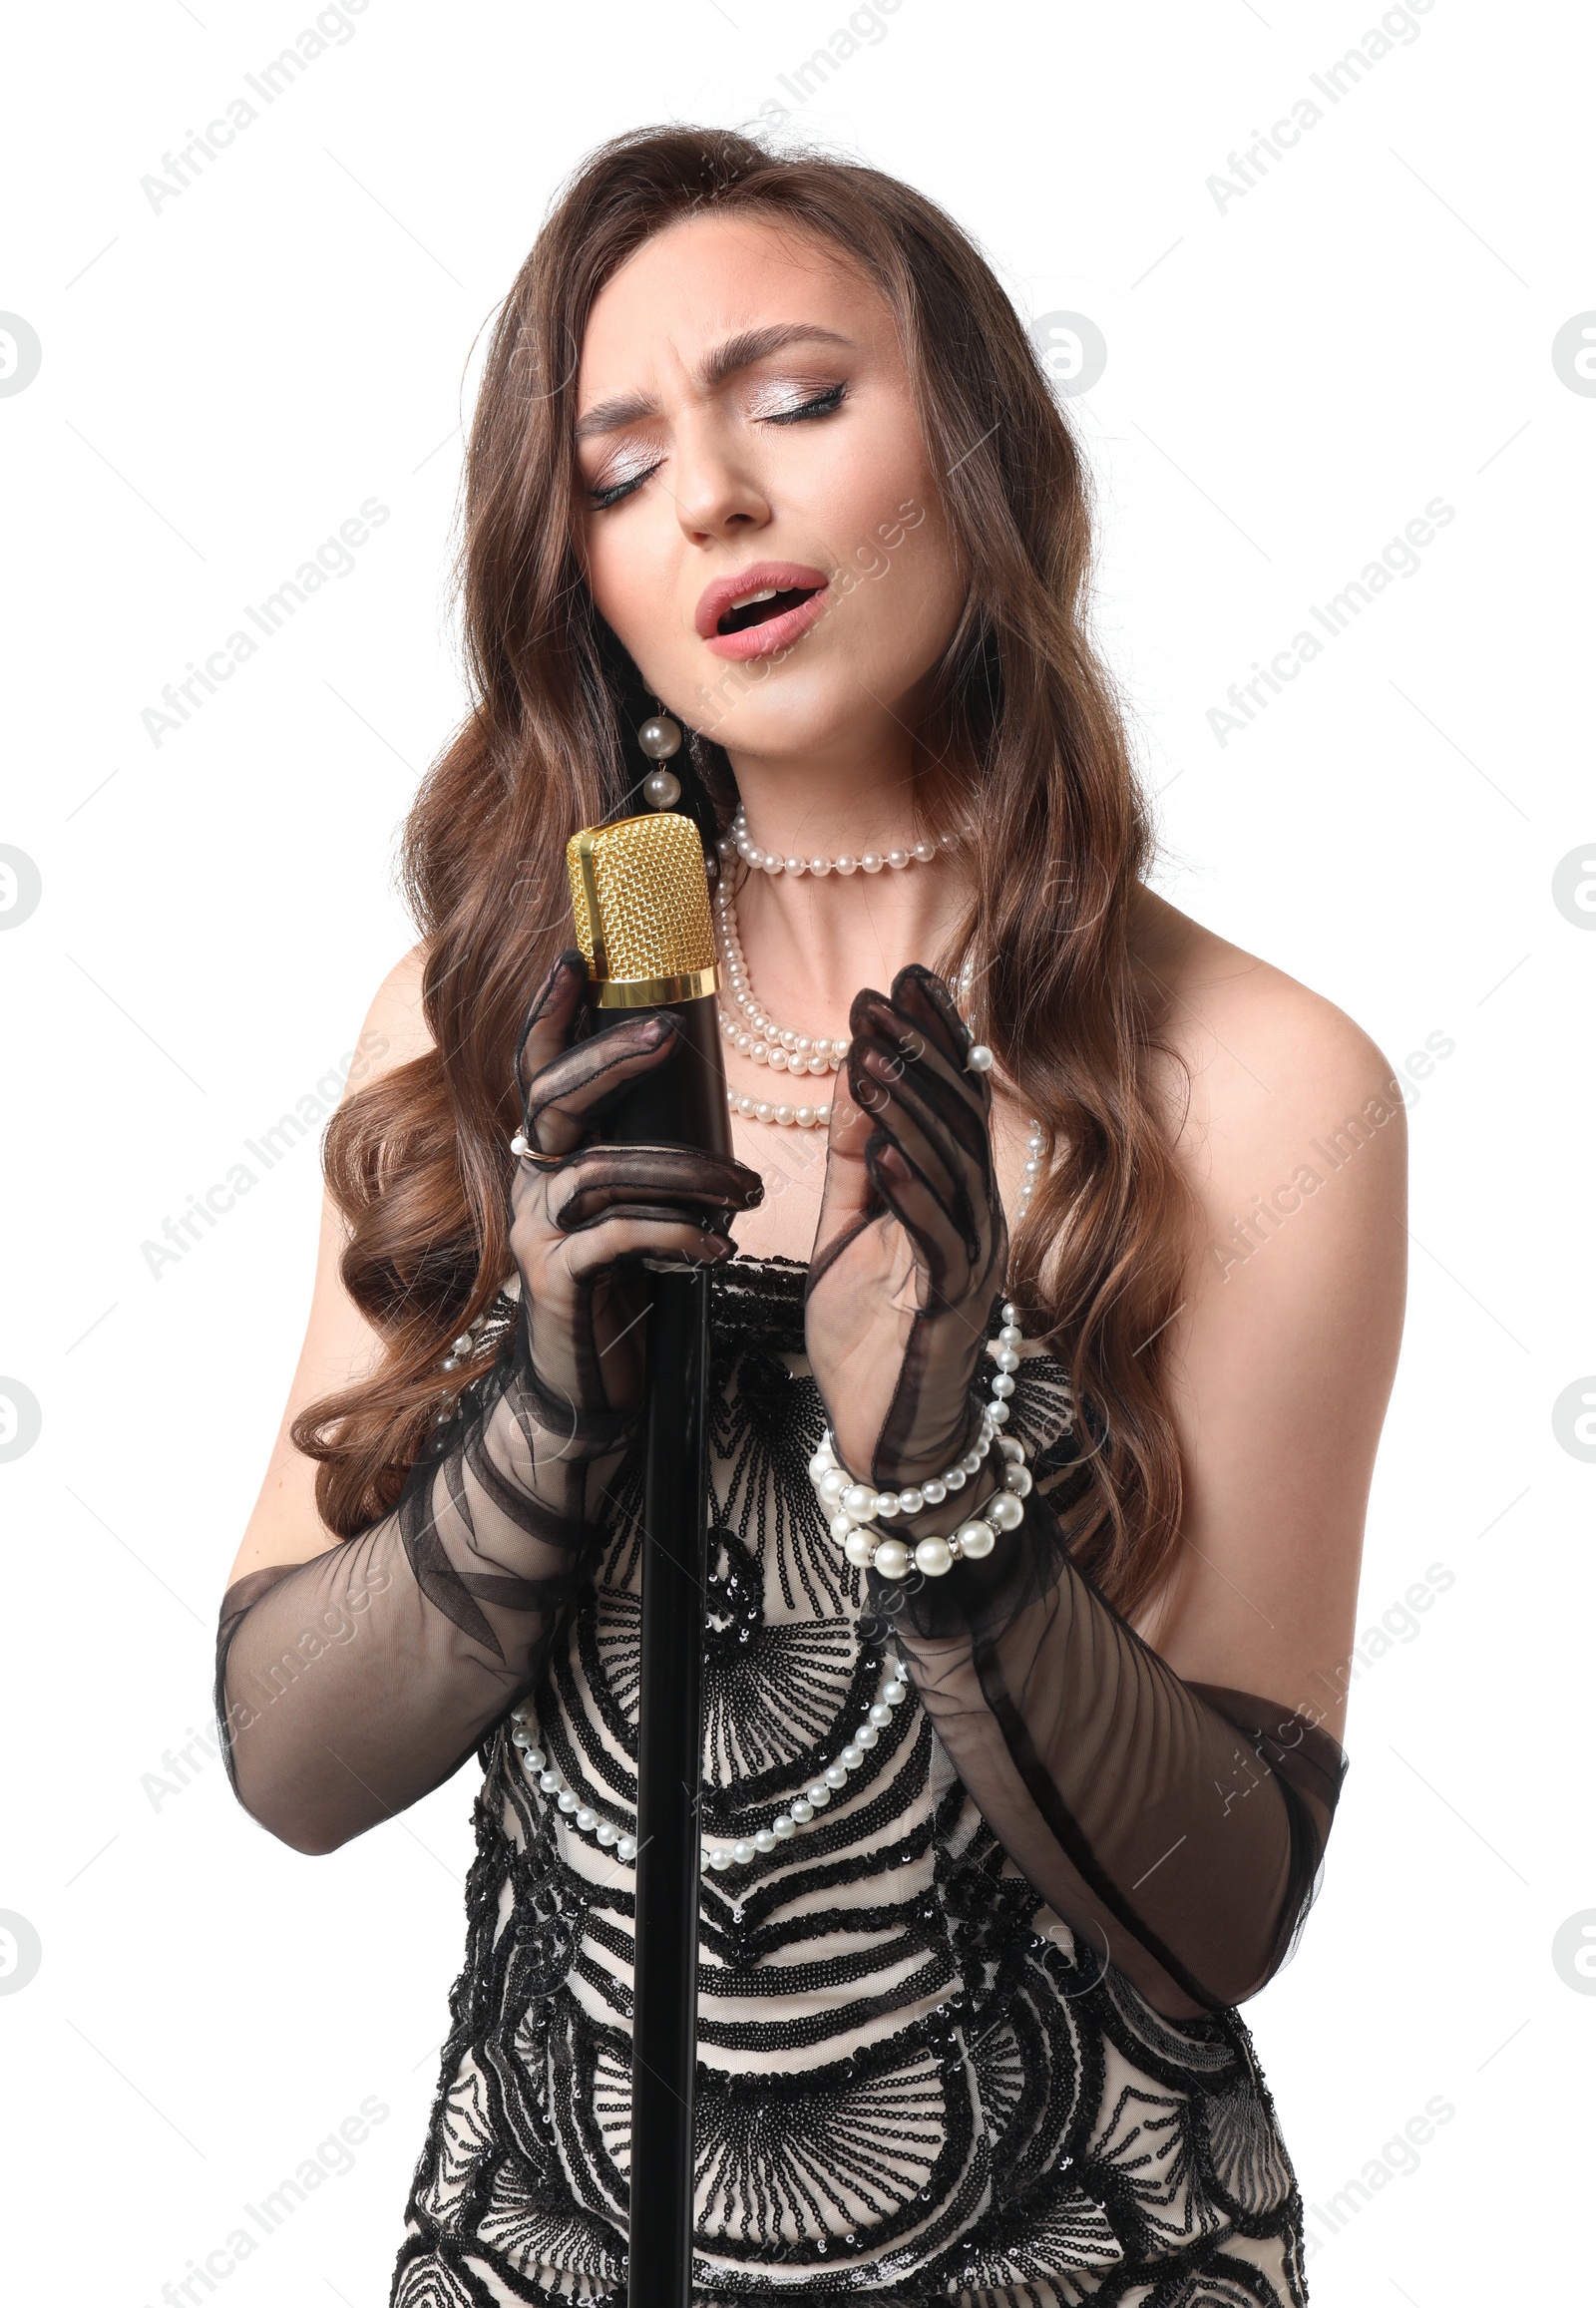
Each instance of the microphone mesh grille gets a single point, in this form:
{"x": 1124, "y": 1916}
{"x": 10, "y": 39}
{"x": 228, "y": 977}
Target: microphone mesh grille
{"x": 648, "y": 874}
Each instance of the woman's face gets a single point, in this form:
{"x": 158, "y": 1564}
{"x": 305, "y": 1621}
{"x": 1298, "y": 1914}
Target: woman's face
{"x": 762, "y": 527}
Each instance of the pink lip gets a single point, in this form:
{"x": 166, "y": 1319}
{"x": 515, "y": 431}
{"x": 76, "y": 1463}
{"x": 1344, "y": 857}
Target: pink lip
{"x": 775, "y": 633}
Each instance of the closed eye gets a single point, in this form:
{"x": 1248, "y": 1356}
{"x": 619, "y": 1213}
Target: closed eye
{"x": 600, "y": 497}
{"x": 823, "y": 404}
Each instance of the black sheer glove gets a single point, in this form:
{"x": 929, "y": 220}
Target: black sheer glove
{"x": 350, "y": 1686}
{"x": 1176, "y": 1827}
{"x": 586, "y": 1214}
{"x": 912, "y": 1243}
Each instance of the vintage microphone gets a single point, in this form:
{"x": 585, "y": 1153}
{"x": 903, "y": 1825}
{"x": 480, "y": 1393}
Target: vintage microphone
{"x": 641, "y": 908}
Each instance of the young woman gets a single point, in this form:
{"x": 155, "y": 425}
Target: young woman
{"x": 1049, "y": 1363}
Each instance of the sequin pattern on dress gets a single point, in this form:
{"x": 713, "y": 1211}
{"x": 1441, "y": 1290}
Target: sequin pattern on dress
{"x": 916, "y": 2086}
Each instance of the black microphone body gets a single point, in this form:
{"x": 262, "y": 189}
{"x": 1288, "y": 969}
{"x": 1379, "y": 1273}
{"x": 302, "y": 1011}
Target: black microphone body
{"x": 682, "y": 1102}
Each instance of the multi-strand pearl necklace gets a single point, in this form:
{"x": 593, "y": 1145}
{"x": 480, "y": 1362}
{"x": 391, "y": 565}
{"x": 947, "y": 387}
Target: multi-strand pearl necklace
{"x": 814, "y": 1053}
{"x": 869, "y": 862}
{"x": 798, "y": 1815}
{"x": 755, "y": 1035}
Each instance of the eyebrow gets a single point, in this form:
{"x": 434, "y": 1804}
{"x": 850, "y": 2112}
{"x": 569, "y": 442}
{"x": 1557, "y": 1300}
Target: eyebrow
{"x": 737, "y": 353}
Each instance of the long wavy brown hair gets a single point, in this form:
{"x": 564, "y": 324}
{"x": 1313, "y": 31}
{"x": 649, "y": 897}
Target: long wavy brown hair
{"x": 1025, "y": 742}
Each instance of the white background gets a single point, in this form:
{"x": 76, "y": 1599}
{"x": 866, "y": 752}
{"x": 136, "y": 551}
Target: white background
{"x": 1291, "y": 378}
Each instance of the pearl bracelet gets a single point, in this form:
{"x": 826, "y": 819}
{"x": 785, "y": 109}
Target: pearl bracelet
{"x": 854, "y": 1506}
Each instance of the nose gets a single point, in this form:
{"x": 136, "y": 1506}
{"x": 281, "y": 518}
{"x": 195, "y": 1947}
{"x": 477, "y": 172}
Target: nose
{"x": 718, "y": 493}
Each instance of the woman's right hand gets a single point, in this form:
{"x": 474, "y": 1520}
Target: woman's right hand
{"x": 579, "y": 1227}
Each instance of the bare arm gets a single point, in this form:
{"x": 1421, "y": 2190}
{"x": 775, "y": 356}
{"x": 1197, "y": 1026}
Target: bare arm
{"x": 1286, "y": 1351}
{"x": 339, "y": 1344}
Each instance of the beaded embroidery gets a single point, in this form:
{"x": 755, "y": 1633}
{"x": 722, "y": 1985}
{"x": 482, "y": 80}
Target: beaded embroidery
{"x": 915, "y": 2089}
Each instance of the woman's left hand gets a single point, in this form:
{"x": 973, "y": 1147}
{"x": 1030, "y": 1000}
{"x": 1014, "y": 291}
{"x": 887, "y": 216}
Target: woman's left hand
{"x": 911, "y": 1244}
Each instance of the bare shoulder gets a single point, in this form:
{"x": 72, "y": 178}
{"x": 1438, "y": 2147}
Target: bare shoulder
{"x": 395, "y": 1030}
{"x": 1264, "y": 1078}
{"x": 1288, "y": 1126}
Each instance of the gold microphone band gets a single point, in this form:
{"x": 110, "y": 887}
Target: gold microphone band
{"x": 652, "y": 992}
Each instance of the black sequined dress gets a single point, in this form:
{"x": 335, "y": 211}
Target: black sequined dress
{"x": 917, "y": 2083}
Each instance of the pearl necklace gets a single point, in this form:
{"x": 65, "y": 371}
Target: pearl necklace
{"x": 756, "y": 1035}
{"x": 871, "y": 861}
{"x": 799, "y": 1813}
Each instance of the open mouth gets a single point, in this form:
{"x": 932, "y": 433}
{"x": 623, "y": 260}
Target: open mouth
{"x": 761, "y": 607}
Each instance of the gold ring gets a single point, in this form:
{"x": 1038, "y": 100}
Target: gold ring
{"x": 525, "y": 1151}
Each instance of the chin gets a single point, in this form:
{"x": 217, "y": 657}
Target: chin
{"x": 767, "y": 714}
{"x": 810, "y": 699}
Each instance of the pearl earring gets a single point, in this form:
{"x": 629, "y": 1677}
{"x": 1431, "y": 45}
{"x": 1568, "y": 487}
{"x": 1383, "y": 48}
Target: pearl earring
{"x": 659, "y": 739}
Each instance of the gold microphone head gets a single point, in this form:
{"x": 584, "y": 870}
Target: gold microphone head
{"x": 638, "y": 892}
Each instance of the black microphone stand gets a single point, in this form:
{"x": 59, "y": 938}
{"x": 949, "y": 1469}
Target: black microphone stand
{"x": 664, "y": 2012}
{"x": 685, "y": 1103}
